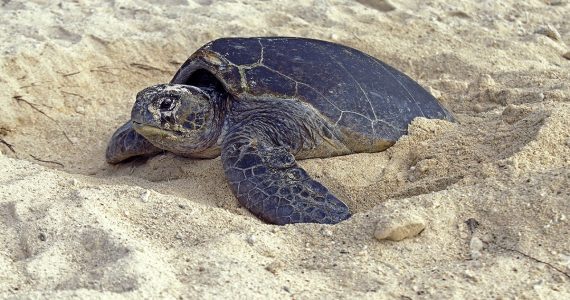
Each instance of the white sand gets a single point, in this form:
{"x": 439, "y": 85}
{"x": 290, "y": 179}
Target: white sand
{"x": 170, "y": 227}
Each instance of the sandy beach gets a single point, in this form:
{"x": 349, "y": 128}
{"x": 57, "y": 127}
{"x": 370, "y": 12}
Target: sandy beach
{"x": 491, "y": 192}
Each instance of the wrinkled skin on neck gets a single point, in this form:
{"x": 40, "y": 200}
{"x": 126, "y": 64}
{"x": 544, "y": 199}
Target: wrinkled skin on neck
{"x": 288, "y": 123}
{"x": 182, "y": 119}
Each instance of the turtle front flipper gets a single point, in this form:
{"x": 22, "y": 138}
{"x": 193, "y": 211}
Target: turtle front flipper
{"x": 267, "y": 180}
{"x": 126, "y": 143}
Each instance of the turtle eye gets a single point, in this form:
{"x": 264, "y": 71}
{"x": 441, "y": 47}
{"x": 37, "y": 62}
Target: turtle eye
{"x": 166, "y": 104}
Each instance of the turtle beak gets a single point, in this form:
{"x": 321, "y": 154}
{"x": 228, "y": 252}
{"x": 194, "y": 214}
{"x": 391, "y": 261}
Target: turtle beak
{"x": 140, "y": 114}
{"x": 136, "y": 124}
{"x": 142, "y": 109}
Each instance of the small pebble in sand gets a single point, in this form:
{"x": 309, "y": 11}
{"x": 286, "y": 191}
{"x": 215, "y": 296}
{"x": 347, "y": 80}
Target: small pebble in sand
{"x": 475, "y": 247}
{"x": 275, "y": 266}
{"x": 486, "y": 238}
{"x": 478, "y": 108}
{"x": 566, "y": 55}
{"x": 326, "y": 232}
{"x": 470, "y": 275}
{"x": 145, "y": 195}
{"x": 74, "y": 182}
{"x": 514, "y": 113}
{"x": 399, "y": 227}
{"x": 251, "y": 239}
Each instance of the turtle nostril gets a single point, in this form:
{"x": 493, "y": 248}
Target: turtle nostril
{"x": 166, "y": 104}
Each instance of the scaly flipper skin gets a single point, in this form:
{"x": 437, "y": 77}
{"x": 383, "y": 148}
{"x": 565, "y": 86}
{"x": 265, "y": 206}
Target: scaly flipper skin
{"x": 126, "y": 143}
{"x": 268, "y": 182}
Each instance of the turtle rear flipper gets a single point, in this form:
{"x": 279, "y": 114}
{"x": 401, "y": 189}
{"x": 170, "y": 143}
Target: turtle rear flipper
{"x": 267, "y": 181}
{"x": 126, "y": 143}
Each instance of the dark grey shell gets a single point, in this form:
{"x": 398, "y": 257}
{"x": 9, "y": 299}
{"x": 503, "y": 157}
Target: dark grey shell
{"x": 354, "y": 90}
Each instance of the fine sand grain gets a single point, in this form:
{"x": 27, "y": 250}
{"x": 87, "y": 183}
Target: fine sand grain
{"x": 481, "y": 207}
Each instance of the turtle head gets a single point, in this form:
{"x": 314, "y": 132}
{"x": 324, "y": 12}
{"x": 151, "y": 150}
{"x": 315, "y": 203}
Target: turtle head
{"x": 182, "y": 119}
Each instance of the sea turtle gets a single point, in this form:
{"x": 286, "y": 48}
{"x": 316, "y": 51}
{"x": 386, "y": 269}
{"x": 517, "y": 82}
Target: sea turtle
{"x": 264, "y": 102}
